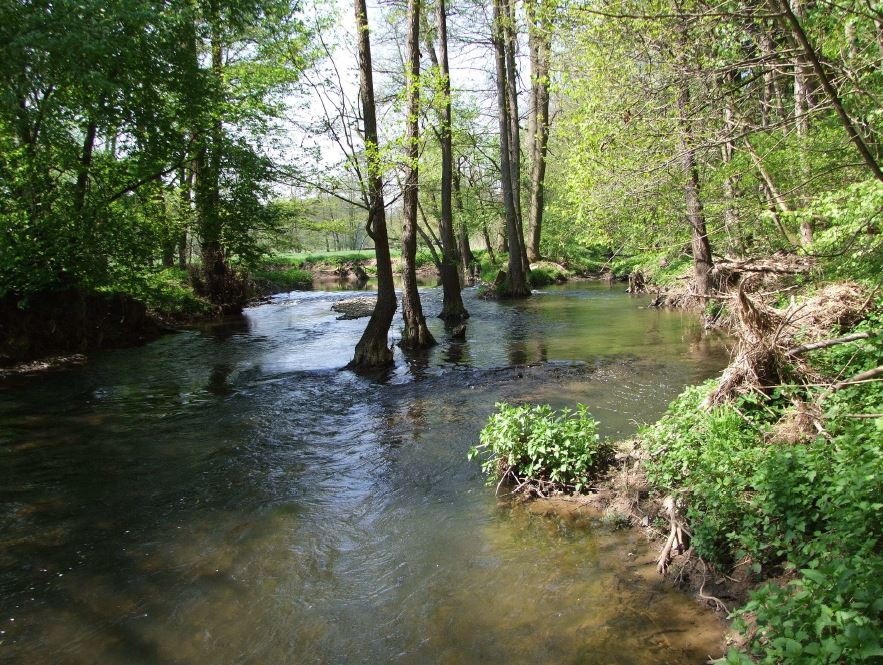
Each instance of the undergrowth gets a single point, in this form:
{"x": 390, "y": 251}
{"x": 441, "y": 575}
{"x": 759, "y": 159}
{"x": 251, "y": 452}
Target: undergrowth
{"x": 807, "y": 514}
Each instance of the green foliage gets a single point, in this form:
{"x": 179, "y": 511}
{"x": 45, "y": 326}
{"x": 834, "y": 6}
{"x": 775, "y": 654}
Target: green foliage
{"x": 850, "y": 239}
{"x": 812, "y": 510}
{"x": 167, "y": 294}
{"x": 560, "y": 449}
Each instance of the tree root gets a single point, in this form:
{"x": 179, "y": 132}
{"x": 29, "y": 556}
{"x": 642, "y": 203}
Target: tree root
{"x": 677, "y": 536}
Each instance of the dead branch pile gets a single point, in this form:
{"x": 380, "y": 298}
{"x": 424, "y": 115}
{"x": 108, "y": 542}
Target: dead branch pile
{"x": 759, "y": 274}
{"x": 767, "y": 350}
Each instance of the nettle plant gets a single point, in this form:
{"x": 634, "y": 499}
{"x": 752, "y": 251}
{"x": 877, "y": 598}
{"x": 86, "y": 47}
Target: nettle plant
{"x": 538, "y": 449}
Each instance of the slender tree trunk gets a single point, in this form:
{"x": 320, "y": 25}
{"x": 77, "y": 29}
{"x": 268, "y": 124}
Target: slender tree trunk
{"x": 415, "y": 334}
{"x": 702, "y": 262}
{"x": 452, "y": 305}
{"x": 516, "y": 280}
{"x": 373, "y": 347}
{"x": 186, "y": 178}
{"x": 509, "y": 44}
{"x": 731, "y": 212}
{"x": 802, "y": 40}
{"x": 85, "y": 164}
{"x": 467, "y": 258}
{"x": 539, "y": 38}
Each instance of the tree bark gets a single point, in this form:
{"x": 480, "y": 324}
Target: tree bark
{"x": 467, "y": 258}
{"x": 373, "y": 350}
{"x": 702, "y": 262}
{"x": 539, "y": 38}
{"x": 509, "y": 44}
{"x": 516, "y": 280}
{"x": 415, "y": 334}
{"x": 452, "y": 304}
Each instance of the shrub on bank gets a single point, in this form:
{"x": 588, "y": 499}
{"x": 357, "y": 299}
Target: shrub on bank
{"x": 807, "y": 512}
{"x": 540, "y": 449}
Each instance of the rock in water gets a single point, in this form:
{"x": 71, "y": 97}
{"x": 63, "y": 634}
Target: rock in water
{"x": 354, "y": 308}
{"x": 459, "y": 332}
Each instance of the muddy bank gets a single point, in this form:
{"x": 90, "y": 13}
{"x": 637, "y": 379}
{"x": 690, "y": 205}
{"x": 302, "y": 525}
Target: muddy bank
{"x": 71, "y": 322}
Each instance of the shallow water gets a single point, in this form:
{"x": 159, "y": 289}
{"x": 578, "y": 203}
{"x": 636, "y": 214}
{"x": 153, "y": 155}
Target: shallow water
{"x": 227, "y": 495}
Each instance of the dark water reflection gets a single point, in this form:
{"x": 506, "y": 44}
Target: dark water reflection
{"x": 227, "y": 495}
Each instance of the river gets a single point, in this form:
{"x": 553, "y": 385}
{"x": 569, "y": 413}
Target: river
{"x": 228, "y": 495}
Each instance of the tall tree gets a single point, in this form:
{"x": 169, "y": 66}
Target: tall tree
{"x": 539, "y": 42}
{"x": 452, "y": 303}
{"x": 516, "y": 279}
{"x": 702, "y": 261}
{"x": 415, "y": 334}
{"x": 373, "y": 349}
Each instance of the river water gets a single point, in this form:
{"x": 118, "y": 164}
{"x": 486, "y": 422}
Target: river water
{"x": 228, "y": 495}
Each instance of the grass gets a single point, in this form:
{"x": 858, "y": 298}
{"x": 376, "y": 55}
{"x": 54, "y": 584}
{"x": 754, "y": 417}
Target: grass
{"x": 292, "y": 279}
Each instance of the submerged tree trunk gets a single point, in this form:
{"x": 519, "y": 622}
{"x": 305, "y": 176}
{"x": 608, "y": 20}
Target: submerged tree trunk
{"x": 373, "y": 347}
{"x": 452, "y": 305}
{"x": 415, "y": 335}
{"x": 516, "y": 280}
{"x": 539, "y": 38}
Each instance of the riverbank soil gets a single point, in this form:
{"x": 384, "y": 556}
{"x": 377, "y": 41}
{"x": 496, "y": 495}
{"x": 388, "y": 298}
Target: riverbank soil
{"x": 71, "y": 322}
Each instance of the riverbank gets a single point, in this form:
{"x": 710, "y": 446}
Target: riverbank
{"x": 761, "y": 488}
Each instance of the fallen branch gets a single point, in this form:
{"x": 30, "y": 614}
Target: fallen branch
{"x": 861, "y": 377}
{"x": 797, "y": 350}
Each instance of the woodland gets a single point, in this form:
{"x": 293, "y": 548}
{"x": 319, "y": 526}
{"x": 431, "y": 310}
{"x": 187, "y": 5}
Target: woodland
{"x": 160, "y": 163}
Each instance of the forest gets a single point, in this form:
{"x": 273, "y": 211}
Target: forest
{"x": 170, "y": 167}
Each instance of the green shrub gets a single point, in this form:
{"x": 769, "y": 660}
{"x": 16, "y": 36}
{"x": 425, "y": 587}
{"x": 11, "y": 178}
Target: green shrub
{"x": 166, "y": 293}
{"x": 812, "y": 510}
{"x": 546, "y": 273}
{"x": 541, "y": 447}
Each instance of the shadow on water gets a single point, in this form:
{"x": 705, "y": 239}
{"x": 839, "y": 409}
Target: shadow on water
{"x": 228, "y": 495}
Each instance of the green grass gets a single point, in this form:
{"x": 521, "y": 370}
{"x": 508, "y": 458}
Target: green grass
{"x": 292, "y": 279}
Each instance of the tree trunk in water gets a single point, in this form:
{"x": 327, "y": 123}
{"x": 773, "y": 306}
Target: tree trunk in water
{"x": 516, "y": 280}
{"x": 539, "y": 38}
{"x": 373, "y": 348}
{"x": 509, "y": 46}
{"x": 415, "y": 335}
{"x": 452, "y": 305}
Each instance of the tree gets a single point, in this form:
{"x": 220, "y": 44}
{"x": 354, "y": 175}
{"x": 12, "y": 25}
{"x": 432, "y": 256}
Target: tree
{"x": 415, "y": 334}
{"x": 373, "y": 349}
{"x": 539, "y": 38}
{"x": 516, "y": 279}
{"x": 452, "y": 304}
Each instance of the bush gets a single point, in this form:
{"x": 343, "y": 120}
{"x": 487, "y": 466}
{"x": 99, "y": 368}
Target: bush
{"x": 546, "y": 273}
{"x": 809, "y": 510}
{"x": 540, "y": 448}
{"x": 167, "y": 293}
